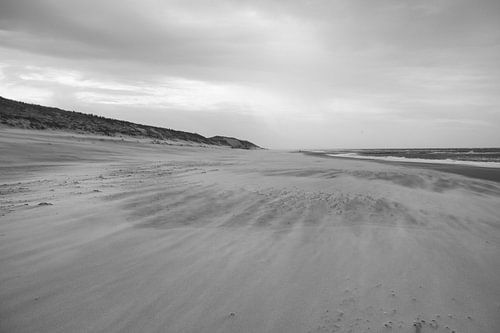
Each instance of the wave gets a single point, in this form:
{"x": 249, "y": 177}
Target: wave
{"x": 418, "y": 160}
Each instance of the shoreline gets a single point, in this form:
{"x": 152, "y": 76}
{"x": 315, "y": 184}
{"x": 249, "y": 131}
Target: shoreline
{"x": 484, "y": 173}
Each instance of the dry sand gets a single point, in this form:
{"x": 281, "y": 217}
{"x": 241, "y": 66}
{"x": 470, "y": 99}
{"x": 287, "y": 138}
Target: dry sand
{"x": 137, "y": 237}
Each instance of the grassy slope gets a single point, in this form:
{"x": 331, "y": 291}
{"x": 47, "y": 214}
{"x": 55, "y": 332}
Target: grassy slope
{"x": 24, "y": 115}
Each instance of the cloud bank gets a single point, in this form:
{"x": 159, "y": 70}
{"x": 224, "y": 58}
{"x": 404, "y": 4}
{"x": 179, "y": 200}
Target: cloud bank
{"x": 285, "y": 74}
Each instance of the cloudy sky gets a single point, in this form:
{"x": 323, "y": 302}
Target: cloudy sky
{"x": 283, "y": 74}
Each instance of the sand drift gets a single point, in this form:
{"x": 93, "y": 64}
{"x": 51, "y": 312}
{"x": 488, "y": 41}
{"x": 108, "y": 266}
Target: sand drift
{"x": 103, "y": 235}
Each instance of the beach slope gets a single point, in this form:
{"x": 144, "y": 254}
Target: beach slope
{"x": 104, "y": 235}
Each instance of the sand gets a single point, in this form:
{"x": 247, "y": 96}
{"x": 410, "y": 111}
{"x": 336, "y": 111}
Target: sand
{"x": 139, "y": 237}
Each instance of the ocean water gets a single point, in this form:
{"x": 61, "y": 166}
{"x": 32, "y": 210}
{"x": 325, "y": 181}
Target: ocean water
{"x": 482, "y": 157}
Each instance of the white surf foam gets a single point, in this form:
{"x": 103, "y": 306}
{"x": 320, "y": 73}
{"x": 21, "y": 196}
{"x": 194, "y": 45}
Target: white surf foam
{"x": 418, "y": 160}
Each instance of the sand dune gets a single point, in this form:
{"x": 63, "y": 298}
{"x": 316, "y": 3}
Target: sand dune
{"x": 136, "y": 237}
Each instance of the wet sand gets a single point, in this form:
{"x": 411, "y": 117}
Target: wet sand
{"x": 485, "y": 173}
{"x": 492, "y": 174}
{"x": 139, "y": 237}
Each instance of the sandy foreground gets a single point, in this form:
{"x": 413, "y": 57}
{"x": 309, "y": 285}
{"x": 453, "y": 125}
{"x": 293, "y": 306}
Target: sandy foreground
{"x": 139, "y": 237}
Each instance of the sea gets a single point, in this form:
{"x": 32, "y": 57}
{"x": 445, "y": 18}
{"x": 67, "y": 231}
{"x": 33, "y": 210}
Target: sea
{"x": 479, "y": 157}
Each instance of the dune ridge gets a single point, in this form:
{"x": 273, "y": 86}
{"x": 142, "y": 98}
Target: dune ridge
{"x": 24, "y": 115}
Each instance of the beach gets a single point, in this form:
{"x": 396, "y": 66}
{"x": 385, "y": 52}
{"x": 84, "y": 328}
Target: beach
{"x": 457, "y": 167}
{"x": 103, "y": 234}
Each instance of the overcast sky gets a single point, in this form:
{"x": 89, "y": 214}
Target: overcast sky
{"x": 283, "y": 74}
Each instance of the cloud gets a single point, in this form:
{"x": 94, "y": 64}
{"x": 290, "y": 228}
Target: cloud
{"x": 296, "y": 67}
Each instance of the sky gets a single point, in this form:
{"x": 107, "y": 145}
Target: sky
{"x": 284, "y": 74}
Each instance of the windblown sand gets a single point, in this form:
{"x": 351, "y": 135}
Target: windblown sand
{"x": 137, "y": 237}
